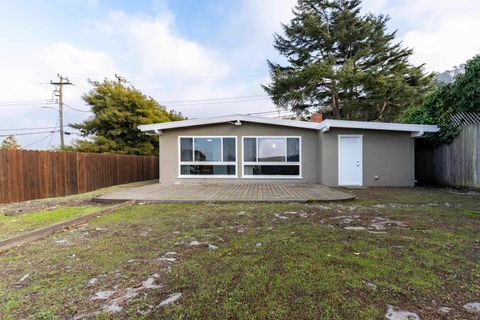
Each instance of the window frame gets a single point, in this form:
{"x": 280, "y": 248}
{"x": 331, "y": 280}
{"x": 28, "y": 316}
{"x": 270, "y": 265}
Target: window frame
{"x": 273, "y": 163}
{"x": 206, "y": 163}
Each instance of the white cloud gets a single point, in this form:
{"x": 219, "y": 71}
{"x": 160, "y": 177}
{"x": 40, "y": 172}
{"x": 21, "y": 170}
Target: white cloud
{"x": 28, "y": 78}
{"x": 168, "y": 66}
{"x": 76, "y": 63}
{"x": 29, "y": 72}
{"x": 267, "y": 15}
{"x": 162, "y": 51}
{"x": 253, "y": 26}
{"x": 443, "y": 33}
{"x": 448, "y": 32}
{"x": 154, "y": 56}
{"x": 451, "y": 43}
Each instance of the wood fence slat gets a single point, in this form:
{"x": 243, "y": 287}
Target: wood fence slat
{"x": 3, "y": 177}
{"x": 27, "y": 174}
{"x": 453, "y": 164}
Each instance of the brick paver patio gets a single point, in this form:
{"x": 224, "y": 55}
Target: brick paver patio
{"x": 229, "y": 192}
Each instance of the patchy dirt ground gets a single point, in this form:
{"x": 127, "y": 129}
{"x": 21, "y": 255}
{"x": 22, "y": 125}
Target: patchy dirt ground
{"x": 392, "y": 253}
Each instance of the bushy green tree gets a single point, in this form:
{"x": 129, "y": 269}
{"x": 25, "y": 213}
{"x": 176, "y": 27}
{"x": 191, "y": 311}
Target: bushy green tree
{"x": 10, "y": 143}
{"x": 117, "y": 111}
{"x": 462, "y": 95}
{"x": 344, "y": 63}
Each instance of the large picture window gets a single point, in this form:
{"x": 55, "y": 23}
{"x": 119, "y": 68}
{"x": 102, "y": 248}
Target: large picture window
{"x": 208, "y": 156}
{"x": 271, "y": 156}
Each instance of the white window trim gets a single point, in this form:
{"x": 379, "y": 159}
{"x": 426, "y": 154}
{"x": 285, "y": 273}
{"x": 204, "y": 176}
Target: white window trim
{"x": 206, "y": 163}
{"x": 339, "y": 138}
{"x": 256, "y": 163}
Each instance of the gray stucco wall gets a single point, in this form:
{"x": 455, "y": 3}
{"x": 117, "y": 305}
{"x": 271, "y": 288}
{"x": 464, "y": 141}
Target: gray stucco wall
{"x": 169, "y": 150}
{"x": 386, "y": 154}
{"x": 390, "y": 155}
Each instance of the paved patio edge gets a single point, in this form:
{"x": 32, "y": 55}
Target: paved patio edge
{"x": 111, "y": 201}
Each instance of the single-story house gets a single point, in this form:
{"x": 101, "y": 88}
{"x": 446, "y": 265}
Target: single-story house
{"x": 241, "y": 148}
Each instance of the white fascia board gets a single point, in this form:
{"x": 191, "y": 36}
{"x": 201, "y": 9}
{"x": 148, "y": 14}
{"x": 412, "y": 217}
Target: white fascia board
{"x": 224, "y": 119}
{"x": 327, "y": 124}
{"x": 417, "y": 130}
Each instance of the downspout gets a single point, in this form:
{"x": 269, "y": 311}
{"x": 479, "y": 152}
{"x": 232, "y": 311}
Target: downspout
{"x": 159, "y": 132}
{"x": 159, "y": 162}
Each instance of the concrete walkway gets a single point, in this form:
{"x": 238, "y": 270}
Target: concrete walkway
{"x": 228, "y": 192}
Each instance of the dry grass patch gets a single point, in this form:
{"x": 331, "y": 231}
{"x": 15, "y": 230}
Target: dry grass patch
{"x": 256, "y": 261}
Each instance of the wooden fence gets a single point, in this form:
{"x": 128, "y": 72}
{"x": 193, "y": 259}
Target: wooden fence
{"x": 453, "y": 164}
{"x": 26, "y": 175}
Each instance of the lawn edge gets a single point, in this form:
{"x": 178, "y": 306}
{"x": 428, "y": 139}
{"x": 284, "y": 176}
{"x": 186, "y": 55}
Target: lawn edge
{"x": 46, "y": 231}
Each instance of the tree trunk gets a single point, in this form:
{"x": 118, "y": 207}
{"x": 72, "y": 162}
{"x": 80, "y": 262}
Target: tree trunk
{"x": 335, "y": 106}
{"x": 382, "y": 110}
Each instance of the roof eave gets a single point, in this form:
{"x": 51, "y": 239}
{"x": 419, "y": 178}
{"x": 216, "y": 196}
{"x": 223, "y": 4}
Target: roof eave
{"x": 228, "y": 119}
{"x": 417, "y": 130}
{"x": 347, "y": 124}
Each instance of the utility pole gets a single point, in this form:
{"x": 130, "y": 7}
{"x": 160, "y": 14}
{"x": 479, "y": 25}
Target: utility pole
{"x": 59, "y": 93}
{"x": 120, "y": 79}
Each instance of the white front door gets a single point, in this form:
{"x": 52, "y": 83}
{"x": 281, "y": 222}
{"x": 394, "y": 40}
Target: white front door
{"x": 350, "y": 154}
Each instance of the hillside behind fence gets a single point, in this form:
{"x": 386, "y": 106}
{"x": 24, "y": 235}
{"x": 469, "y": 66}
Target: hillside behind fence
{"x": 26, "y": 175}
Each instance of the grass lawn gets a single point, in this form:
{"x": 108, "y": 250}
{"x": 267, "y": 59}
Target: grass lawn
{"x": 414, "y": 248}
{"x": 81, "y": 199}
{"x": 15, "y": 225}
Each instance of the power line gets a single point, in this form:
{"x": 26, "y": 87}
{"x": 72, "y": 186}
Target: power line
{"x": 215, "y": 99}
{"x": 32, "y": 104}
{"x": 40, "y": 140}
{"x": 21, "y": 101}
{"x": 50, "y": 141}
{"x": 217, "y": 83}
{"x": 14, "y": 103}
{"x": 193, "y": 102}
{"x": 75, "y": 109}
{"x": 53, "y": 133}
{"x": 271, "y": 112}
{"x": 31, "y": 128}
{"x": 136, "y": 75}
{"x": 217, "y": 102}
{"x": 143, "y": 80}
{"x": 26, "y": 133}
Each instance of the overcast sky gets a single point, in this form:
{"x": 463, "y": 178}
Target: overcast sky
{"x": 182, "y": 50}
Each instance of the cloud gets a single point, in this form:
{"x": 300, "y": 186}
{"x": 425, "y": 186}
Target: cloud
{"x": 160, "y": 50}
{"x": 452, "y": 43}
{"x": 66, "y": 58}
{"x": 447, "y": 34}
{"x": 267, "y": 15}
{"x": 252, "y": 27}
{"x": 442, "y": 33}
{"x": 30, "y": 71}
{"x": 168, "y": 66}
{"x": 29, "y": 74}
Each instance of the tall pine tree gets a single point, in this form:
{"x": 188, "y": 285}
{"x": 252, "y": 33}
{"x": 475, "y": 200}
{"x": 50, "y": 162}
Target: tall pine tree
{"x": 344, "y": 64}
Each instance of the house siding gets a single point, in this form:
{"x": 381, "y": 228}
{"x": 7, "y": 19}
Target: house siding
{"x": 169, "y": 150}
{"x": 390, "y": 155}
{"x": 386, "y": 154}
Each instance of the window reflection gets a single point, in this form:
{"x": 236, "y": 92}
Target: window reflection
{"x": 271, "y": 149}
{"x": 208, "y": 149}
{"x": 271, "y": 156}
